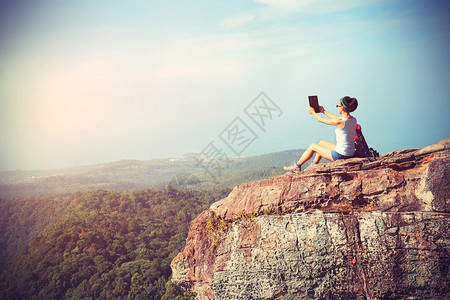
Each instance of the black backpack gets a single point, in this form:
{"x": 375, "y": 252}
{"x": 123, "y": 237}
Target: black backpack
{"x": 361, "y": 148}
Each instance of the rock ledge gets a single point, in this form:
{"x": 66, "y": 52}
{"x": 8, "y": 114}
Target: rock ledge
{"x": 352, "y": 229}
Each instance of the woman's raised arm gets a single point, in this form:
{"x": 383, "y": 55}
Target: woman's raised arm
{"x": 332, "y": 121}
{"x": 328, "y": 114}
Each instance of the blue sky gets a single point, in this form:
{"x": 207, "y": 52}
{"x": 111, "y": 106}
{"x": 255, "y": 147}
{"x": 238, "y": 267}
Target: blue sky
{"x": 84, "y": 82}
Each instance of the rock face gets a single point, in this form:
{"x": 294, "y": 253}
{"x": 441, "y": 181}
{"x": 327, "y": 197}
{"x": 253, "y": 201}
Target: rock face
{"x": 351, "y": 229}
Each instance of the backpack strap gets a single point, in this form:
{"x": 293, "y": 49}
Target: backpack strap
{"x": 362, "y": 144}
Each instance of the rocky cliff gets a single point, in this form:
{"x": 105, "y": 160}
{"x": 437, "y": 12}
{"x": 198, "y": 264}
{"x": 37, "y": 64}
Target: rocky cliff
{"x": 352, "y": 229}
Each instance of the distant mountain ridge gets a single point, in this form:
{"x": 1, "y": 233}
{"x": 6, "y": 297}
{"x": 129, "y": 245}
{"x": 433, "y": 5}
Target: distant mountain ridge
{"x": 127, "y": 175}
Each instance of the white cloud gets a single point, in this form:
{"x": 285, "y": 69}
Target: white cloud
{"x": 237, "y": 20}
{"x": 274, "y": 9}
{"x": 209, "y": 57}
{"x": 313, "y": 6}
{"x": 286, "y": 4}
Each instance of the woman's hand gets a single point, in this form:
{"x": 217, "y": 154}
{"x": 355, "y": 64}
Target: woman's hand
{"x": 311, "y": 110}
{"x": 321, "y": 109}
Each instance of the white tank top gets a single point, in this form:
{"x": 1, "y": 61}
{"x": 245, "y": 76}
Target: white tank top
{"x": 345, "y": 137}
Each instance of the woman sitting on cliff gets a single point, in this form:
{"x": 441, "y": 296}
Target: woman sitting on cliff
{"x": 345, "y": 135}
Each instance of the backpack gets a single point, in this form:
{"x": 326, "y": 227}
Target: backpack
{"x": 361, "y": 148}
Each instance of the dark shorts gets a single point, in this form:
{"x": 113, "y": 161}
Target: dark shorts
{"x": 335, "y": 155}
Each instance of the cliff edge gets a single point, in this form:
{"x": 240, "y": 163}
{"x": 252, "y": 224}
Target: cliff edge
{"x": 351, "y": 229}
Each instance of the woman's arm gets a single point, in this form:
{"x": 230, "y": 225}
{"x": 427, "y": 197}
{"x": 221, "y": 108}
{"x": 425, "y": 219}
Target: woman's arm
{"x": 328, "y": 114}
{"x": 332, "y": 121}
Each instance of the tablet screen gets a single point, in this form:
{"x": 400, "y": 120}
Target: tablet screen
{"x": 314, "y": 103}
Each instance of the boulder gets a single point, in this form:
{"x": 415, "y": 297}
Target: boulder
{"x": 352, "y": 229}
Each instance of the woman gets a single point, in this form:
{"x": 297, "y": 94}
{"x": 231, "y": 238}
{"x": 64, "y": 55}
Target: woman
{"x": 345, "y": 135}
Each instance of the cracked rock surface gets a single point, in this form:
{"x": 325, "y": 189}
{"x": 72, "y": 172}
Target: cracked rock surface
{"x": 352, "y": 229}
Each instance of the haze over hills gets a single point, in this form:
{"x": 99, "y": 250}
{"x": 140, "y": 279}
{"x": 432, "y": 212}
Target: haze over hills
{"x": 125, "y": 175}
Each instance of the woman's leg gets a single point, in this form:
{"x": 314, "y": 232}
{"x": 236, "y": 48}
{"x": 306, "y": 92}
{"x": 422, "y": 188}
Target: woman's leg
{"x": 322, "y": 150}
{"x": 326, "y": 144}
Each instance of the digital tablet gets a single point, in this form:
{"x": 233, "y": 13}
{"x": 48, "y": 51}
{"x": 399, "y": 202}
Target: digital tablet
{"x": 314, "y": 103}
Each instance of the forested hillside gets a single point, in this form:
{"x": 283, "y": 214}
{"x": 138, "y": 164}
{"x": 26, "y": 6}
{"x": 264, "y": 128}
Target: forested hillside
{"x": 99, "y": 244}
{"x": 94, "y": 233}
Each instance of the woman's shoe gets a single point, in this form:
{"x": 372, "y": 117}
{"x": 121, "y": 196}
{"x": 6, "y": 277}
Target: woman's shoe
{"x": 294, "y": 168}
